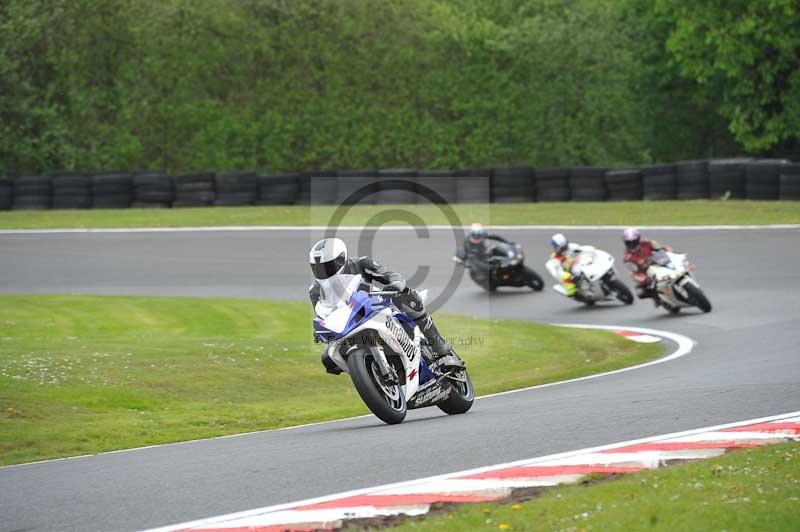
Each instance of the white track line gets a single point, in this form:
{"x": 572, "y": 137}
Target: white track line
{"x": 685, "y": 346}
{"x": 550, "y": 459}
{"x": 319, "y": 228}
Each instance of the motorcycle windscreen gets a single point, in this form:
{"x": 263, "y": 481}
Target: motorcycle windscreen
{"x": 336, "y": 292}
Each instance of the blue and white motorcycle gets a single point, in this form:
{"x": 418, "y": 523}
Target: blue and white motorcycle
{"x": 385, "y": 353}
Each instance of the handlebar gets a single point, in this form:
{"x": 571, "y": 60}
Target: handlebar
{"x": 384, "y": 293}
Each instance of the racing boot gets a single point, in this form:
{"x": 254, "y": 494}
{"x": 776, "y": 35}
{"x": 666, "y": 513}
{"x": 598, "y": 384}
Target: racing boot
{"x": 330, "y": 365}
{"x": 442, "y": 351}
{"x": 651, "y": 292}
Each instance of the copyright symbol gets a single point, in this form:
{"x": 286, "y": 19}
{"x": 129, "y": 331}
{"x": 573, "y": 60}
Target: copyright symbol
{"x": 395, "y": 214}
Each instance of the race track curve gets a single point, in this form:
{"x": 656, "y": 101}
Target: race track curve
{"x": 746, "y": 365}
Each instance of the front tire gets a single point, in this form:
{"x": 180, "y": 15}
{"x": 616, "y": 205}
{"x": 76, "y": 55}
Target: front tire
{"x": 697, "y": 297}
{"x": 384, "y": 400}
{"x": 534, "y": 280}
{"x": 621, "y": 291}
{"x": 461, "y": 396}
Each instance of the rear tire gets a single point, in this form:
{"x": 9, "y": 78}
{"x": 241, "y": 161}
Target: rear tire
{"x": 698, "y": 298}
{"x": 390, "y": 409}
{"x": 461, "y": 396}
{"x": 621, "y": 291}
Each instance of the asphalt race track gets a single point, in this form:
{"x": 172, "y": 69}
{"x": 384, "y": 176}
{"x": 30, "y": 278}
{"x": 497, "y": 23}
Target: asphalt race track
{"x": 746, "y": 364}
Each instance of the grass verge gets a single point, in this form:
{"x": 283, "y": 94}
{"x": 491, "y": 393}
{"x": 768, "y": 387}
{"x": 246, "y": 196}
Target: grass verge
{"x": 700, "y": 212}
{"x": 756, "y": 489}
{"x": 83, "y": 374}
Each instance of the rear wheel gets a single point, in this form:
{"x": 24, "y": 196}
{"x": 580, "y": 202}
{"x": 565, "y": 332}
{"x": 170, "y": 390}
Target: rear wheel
{"x": 621, "y": 291}
{"x": 384, "y": 400}
{"x": 697, "y": 297}
{"x": 461, "y": 396}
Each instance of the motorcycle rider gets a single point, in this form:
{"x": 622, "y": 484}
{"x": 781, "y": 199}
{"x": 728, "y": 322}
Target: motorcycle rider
{"x": 328, "y": 259}
{"x": 562, "y": 259}
{"x": 639, "y": 255}
{"x": 475, "y": 246}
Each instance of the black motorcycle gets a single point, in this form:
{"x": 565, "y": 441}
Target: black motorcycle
{"x": 502, "y": 265}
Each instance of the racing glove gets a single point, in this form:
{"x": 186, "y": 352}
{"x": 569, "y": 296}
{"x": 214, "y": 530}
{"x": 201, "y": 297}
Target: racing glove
{"x": 398, "y": 284}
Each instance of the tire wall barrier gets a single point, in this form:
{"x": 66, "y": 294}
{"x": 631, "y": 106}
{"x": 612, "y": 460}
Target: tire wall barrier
{"x": 740, "y": 178}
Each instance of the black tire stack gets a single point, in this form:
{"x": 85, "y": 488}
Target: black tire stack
{"x": 659, "y": 182}
{"x": 726, "y": 178}
{"x": 111, "y": 191}
{"x": 194, "y": 189}
{"x": 692, "y": 179}
{"x": 513, "y": 185}
{"x": 6, "y": 193}
{"x": 473, "y": 185}
{"x": 439, "y": 181}
{"x": 71, "y": 191}
{"x": 351, "y": 181}
{"x": 277, "y": 189}
{"x": 32, "y": 192}
{"x": 318, "y": 188}
{"x": 235, "y": 189}
{"x": 552, "y": 184}
{"x": 624, "y": 185}
{"x": 152, "y": 190}
{"x": 390, "y": 194}
{"x": 587, "y": 183}
{"x": 762, "y": 179}
{"x": 789, "y": 182}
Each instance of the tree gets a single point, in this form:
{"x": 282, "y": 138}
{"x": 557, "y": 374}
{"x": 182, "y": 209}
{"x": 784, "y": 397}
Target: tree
{"x": 748, "y": 53}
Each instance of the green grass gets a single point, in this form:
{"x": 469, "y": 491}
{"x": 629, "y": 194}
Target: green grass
{"x": 756, "y": 489}
{"x": 699, "y": 212}
{"x": 82, "y": 374}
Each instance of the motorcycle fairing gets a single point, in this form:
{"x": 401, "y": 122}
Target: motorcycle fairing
{"x": 363, "y": 314}
{"x": 342, "y": 320}
{"x": 429, "y": 394}
{"x": 671, "y": 276}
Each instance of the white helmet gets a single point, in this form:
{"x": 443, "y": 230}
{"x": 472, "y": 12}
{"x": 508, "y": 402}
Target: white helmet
{"x": 631, "y": 237}
{"x": 327, "y": 258}
{"x": 476, "y": 233}
{"x": 559, "y": 242}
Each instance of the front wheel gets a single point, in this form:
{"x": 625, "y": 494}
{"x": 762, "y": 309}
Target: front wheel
{"x": 697, "y": 297}
{"x": 461, "y": 396}
{"x": 384, "y": 400}
{"x": 534, "y": 280}
{"x": 621, "y": 291}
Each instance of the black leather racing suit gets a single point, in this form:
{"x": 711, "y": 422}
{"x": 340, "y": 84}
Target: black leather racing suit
{"x": 479, "y": 251}
{"x": 407, "y": 300}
